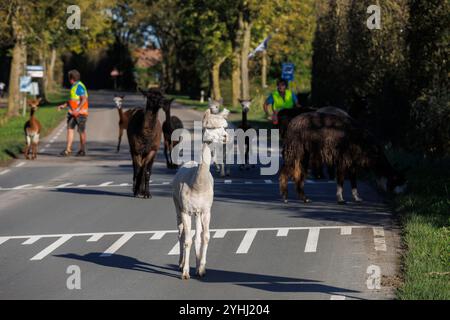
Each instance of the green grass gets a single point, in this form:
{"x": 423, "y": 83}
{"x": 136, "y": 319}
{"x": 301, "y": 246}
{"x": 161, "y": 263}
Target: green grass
{"x": 425, "y": 217}
{"x": 12, "y": 139}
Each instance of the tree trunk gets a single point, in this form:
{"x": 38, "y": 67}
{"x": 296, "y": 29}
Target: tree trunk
{"x": 215, "y": 78}
{"x": 264, "y": 69}
{"x": 50, "y": 71}
{"x": 244, "y": 59}
{"x": 235, "y": 78}
{"x": 17, "y": 68}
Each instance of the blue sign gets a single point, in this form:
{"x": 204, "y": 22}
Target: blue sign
{"x": 287, "y": 71}
{"x": 25, "y": 84}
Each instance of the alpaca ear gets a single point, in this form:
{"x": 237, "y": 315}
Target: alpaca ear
{"x": 39, "y": 100}
{"x": 240, "y": 101}
{"x": 122, "y": 96}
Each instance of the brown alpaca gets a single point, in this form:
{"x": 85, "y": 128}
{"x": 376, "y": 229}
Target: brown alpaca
{"x": 169, "y": 126}
{"x": 144, "y": 137}
{"x": 335, "y": 140}
{"x": 124, "y": 117}
{"x": 32, "y": 131}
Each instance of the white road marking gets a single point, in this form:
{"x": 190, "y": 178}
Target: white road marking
{"x": 31, "y": 240}
{"x": 268, "y": 181}
{"x": 22, "y": 186}
{"x": 247, "y": 241}
{"x": 47, "y": 145}
{"x": 336, "y": 297}
{"x": 41, "y": 255}
{"x": 313, "y": 238}
{"x": 4, "y": 171}
{"x": 20, "y": 164}
{"x": 42, "y": 150}
{"x": 219, "y": 234}
{"x": 116, "y": 245}
{"x": 110, "y": 184}
{"x": 95, "y": 237}
{"x": 64, "y": 185}
{"x": 346, "y": 230}
{"x": 3, "y": 240}
{"x": 282, "y": 232}
{"x": 378, "y": 232}
{"x": 105, "y": 184}
{"x": 380, "y": 244}
{"x": 175, "y": 250}
{"x": 157, "y": 235}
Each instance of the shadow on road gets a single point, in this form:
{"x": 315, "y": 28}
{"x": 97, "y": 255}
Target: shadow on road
{"x": 257, "y": 281}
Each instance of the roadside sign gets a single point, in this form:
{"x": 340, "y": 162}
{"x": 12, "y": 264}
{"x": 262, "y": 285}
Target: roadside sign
{"x": 287, "y": 71}
{"x": 25, "y": 84}
{"x": 34, "y": 89}
{"x": 35, "y": 71}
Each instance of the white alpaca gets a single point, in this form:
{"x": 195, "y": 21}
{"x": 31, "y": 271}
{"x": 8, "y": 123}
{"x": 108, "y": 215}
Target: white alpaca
{"x": 193, "y": 193}
{"x": 214, "y": 119}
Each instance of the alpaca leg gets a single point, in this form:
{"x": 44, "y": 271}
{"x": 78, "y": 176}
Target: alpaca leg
{"x": 180, "y": 235}
{"x": 166, "y": 153}
{"x": 148, "y": 172}
{"x": 120, "y": 139}
{"x": 299, "y": 178}
{"x": 354, "y": 186}
{"x": 34, "y": 151}
{"x": 187, "y": 244}
{"x": 206, "y": 216}
{"x": 284, "y": 178}
{"x": 340, "y": 185}
{"x": 198, "y": 240}
{"x": 27, "y": 148}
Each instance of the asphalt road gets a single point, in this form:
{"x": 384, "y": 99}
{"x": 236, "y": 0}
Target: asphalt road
{"x": 59, "y": 212}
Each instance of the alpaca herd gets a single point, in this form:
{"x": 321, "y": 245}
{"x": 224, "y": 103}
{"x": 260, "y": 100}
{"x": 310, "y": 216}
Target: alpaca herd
{"x": 310, "y": 139}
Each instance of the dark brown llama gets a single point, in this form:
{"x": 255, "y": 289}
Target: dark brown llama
{"x": 338, "y": 141}
{"x": 169, "y": 126}
{"x": 32, "y": 129}
{"x": 144, "y": 137}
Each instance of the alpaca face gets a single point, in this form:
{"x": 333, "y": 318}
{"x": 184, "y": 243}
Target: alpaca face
{"x": 167, "y": 104}
{"x": 214, "y": 105}
{"x": 34, "y": 103}
{"x": 118, "y": 100}
{"x": 245, "y": 104}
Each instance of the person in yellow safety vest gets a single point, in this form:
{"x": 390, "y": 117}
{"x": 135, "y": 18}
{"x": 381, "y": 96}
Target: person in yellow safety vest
{"x": 77, "y": 113}
{"x": 282, "y": 98}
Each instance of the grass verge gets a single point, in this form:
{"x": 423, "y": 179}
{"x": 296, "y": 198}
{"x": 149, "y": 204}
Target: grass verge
{"x": 425, "y": 217}
{"x": 12, "y": 139}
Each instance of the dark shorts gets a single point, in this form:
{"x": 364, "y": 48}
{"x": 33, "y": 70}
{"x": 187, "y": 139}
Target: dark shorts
{"x": 79, "y": 122}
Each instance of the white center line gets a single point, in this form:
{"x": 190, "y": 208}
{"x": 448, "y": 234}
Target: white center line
{"x": 64, "y": 185}
{"x": 336, "y": 297}
{"x": 268, "y": 181}
{"x": 20, "y": 164}
{"x": 378, "y": 232}
{"x": 47, "y": 145}
{"x": 31, "y": 240}
{"x": 22, "y": 186}
{"x": 227, "y": 181}
{"x": 157, "y": 235}
{"x": 81, "y": 185}
{"x": 4, "y": 171}
{"x": 41, "y": 255}
{"x": 124, "y": 184}
{"x": 104, "y": 184}
{"x": 311, "y": 242}
{"x": 95, "y": 237}
{"x": 346, "y": 230}
{"x": 116, "y": 245}
{"x": 42, "y": 150}
{"x": 219, "y": 234}
{"x": 175, "y": 250}
{"x": 282, "y": 232}
{"x": 3, "y": 239}
{"x": 247, "y": 241}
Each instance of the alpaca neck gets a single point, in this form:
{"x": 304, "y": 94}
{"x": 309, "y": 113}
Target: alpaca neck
{"x": 201, "y": 181}
{"x": 244, "y": 119}
{"x": 150, "y": 117}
